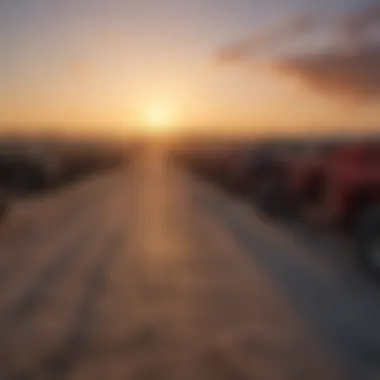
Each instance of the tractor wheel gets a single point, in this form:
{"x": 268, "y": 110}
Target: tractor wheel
{"x": 268, "y": 196}
{"x": 368, "y": 240}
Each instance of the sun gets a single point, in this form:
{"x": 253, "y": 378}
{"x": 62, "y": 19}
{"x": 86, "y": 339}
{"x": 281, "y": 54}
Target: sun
{"x": 159, "y": 119}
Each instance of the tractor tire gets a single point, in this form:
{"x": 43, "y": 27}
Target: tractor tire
{"x": 3, "y": 212}
{"x": 4, "y": 206}
{"x": 269, "y": 199}
{"x": 368, "y": 240}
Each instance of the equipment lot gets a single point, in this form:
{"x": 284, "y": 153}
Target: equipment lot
{"x": 332, "y": 185}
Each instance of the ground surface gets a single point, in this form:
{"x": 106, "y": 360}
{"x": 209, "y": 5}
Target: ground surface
{"x": 149, "y": 273}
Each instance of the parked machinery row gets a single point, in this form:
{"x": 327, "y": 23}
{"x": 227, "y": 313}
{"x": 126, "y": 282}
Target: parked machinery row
{"x": 28, "y": 166}
{"x": 331, "y": 183}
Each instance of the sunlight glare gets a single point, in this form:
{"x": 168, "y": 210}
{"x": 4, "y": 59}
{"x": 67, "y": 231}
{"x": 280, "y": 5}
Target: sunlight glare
{"x": 159, "y": 119}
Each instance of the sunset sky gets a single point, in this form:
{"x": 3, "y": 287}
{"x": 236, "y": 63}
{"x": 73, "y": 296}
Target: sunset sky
{"x": 198, "y": 65}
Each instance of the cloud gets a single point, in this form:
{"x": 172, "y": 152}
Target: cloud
{"x": 353, "y": 75}
{"x": 257, "y": 43}
{"x": 356, "y": 25}
{"x": 350, "y": 70}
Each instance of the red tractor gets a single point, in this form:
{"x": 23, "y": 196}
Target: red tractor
{"x": 342, "y": 187}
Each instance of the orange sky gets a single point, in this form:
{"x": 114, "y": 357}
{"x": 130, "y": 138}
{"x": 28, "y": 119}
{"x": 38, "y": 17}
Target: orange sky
{"x": 78, "y": 66}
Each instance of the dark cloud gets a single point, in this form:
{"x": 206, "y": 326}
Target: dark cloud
{"x": 356, "y": 25}
{"x": 352, "y": 74}
{"x": 261, "y": 42}
{"x": 350, "y": 70}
